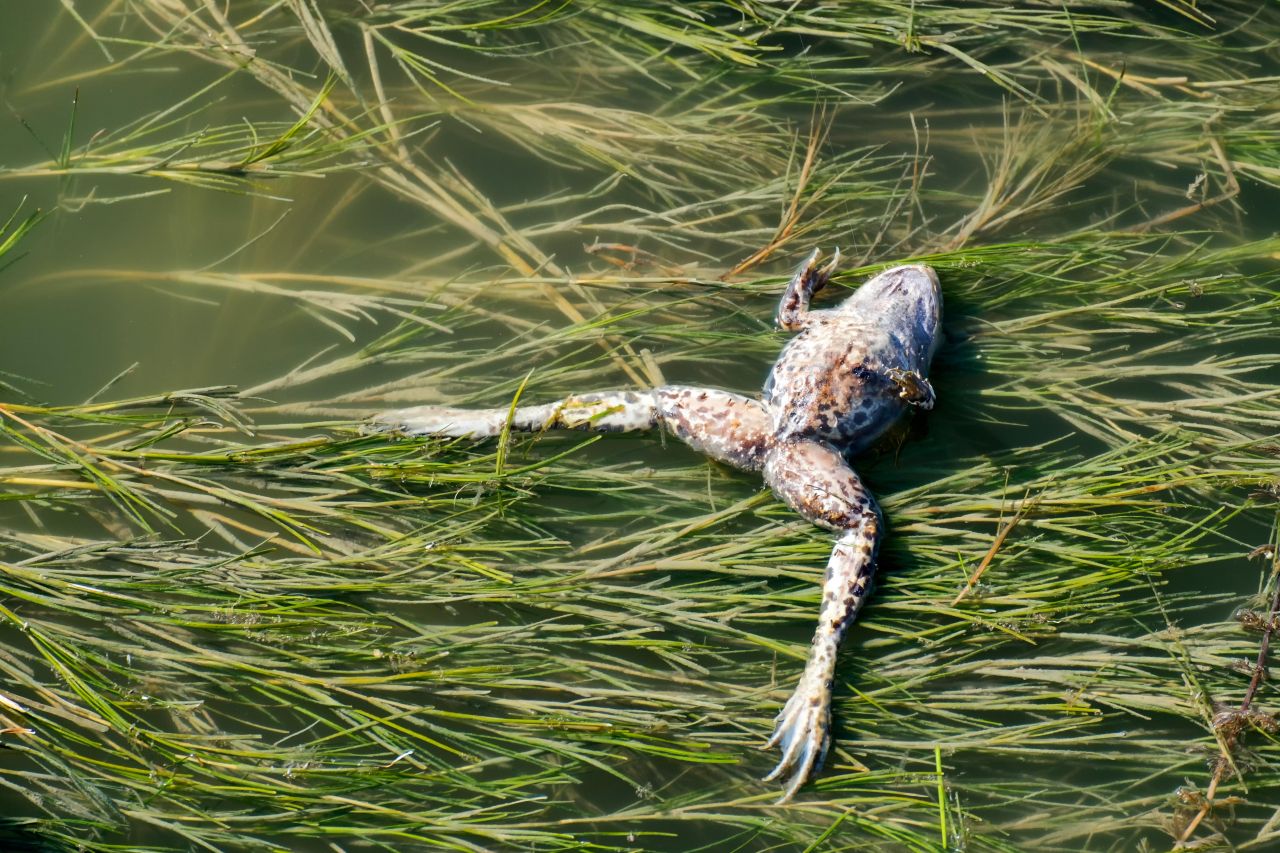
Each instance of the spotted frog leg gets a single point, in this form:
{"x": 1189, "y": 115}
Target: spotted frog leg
{"x": 727, "y": 427}
{"x": 814, "y": 480}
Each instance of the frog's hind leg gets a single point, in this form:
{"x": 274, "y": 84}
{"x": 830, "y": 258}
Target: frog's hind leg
{"x": 815, "y": 480}
{"x": 809, "y": 278}
{"x": 727, "y": 427}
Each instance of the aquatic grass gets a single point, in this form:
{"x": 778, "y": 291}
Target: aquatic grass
{"x": 233, "y": 621}
{"x": 13, "y": 230}
{"x": 568, "y": 604}
{"x": 236, "y": 157}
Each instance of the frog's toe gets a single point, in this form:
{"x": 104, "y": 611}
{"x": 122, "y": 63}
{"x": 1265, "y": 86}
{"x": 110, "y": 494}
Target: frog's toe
{"x": 814, "y": 276}
{"x": 803, "y": 733}
{"x": 830, "y": 266}
{"x": 810, "y": 262}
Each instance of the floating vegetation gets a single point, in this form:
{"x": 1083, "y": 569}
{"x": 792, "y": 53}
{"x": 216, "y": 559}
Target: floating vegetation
{"x": 232, "y": 621}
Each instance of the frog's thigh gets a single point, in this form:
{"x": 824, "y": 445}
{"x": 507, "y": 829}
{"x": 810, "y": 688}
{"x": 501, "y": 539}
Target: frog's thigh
{"x": 815, "y": 481}
{"x": 727, "y": 427}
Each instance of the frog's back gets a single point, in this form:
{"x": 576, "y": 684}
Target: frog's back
{"x": 828, "y": 384}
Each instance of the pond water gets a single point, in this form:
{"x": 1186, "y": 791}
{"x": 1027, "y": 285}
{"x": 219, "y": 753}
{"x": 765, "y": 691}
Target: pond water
{"x": 255, "y": 628}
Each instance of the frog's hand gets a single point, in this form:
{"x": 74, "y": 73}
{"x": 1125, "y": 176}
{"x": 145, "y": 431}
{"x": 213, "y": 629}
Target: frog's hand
{"x": 913, "y": 387}
{"x": 727, "y": 427}
{"x": 809, "y": 278}
{"x": 814, "y": 479}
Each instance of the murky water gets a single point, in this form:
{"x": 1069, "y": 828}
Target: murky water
{"x": 118, "y": 296}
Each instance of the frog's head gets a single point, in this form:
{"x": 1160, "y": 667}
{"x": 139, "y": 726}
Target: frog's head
{"x": 906, "y": 302}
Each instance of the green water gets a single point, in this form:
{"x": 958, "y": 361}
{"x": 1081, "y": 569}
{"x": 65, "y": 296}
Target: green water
{"x": 119, "y": 295}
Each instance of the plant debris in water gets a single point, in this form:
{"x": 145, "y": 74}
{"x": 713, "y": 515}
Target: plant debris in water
{"x": 231, "y": 621}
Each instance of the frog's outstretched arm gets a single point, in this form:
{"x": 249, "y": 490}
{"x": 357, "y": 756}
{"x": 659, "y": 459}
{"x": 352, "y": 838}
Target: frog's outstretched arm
{"x": 814, "y": 480}
{"x": 809, "y": 278}
{"x": 727, "y": 427}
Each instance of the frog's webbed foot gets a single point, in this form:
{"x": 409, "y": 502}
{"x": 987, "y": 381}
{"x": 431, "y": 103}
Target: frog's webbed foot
{"x": 815, "y": 480}
{"x": 809, "y": 278}
{"x": 913, "y": 388}
{"x": 803, "y": 733}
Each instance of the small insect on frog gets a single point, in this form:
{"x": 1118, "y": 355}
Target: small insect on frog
{"x": 846, "y": 376}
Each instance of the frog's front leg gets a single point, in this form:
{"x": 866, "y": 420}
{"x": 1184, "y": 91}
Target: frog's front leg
{"x": 912, "y": 387}
{"x": 813, "y": 478}
{"x": 808, "y": 280}
{"x": 727, "y": 427}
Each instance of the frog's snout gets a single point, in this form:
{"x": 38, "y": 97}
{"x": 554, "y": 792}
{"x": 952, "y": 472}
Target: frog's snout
{"x": 930, "y": 273}
{"x": 909, "y": 300}
{"x": 915, "y": 279}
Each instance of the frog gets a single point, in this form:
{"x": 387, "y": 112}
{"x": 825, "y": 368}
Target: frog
{"x": 847, "y": 375}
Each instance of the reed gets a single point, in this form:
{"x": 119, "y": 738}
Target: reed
{"x": 232, "y": 621}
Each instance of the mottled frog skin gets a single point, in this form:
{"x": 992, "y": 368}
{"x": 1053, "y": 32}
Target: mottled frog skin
{"x": 846, "y": 376}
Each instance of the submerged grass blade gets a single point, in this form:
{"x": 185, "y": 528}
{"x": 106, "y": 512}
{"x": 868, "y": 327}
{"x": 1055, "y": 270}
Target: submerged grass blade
{"x": 231, "y": 621}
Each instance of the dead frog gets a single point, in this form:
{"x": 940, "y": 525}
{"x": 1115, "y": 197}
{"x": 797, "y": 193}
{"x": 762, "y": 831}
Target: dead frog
{"x": 848, "y": 374}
